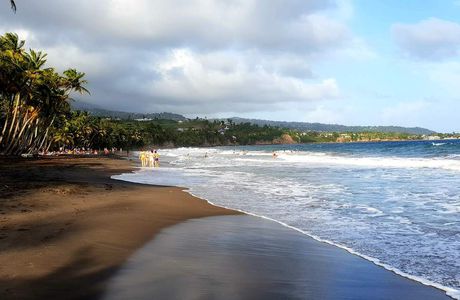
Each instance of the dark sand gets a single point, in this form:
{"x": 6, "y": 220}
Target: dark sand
{"x": 66, "y": 229}
{"x": 244, "y": 257}
{"x": 65, "y": 226}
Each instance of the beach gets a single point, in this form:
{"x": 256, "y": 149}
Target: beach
{"x": 244, "y": 257}
{"x": 65, "y": 226}
{"x": 68, "y": 231}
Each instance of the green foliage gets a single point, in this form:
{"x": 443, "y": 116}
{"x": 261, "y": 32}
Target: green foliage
{"x": 34, "y": 100}
{"x": 82, "y": 130}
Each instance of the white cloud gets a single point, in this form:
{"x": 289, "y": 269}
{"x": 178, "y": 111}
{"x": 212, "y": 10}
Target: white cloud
{"x": 432, "y": 39}
{"x": 217, "y": 82}
{"x": 197, "y": 56}
{"x": 299, "y": 26}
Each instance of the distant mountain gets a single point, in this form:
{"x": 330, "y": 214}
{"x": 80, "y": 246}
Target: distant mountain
{"x": 101, "y": 112}
{"x": 302, "y": 126}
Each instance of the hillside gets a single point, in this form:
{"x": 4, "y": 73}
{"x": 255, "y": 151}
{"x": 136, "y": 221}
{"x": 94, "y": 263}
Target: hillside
{"x": 319, "y": 127}
{"x": 302, "y": 126}
{"x": 101, "y": 112}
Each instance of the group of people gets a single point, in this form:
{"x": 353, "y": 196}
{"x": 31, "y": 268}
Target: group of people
{"x": 82, "y": 151}
{"x": 149, "y": 158}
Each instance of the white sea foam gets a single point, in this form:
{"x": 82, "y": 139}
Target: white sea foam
{"x": 375, "y": 162}
{"x": 403, "y": 211}
{"x": 130, "y": 177}
{"x": 312, "y": 158}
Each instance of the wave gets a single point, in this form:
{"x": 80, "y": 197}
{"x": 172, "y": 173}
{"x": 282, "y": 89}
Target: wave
{"x": 375, "y": 162}
{"x": 220, "y": 157}
{"x": 451, "y": 292}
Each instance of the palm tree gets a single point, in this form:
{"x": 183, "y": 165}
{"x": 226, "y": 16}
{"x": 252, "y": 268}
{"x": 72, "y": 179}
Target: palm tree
{"x": 32, "y": 98}
{"x": 13, "y": 5}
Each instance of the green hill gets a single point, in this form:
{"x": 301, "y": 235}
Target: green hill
{"x": 319, "y": 127}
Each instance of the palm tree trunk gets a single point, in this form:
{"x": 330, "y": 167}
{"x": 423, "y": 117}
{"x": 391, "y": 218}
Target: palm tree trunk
{"x": 49, "y": 145}
{"x": 45, "y": 136}
{"x": 24, "y": 126}
{"x": 15, "y": 111}
{"x": 14, "y": 139}
{"x": 4, "y": 128}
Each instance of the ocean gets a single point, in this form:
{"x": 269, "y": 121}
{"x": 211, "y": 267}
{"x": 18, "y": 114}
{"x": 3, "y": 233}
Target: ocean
{"x": 394, "y": 203}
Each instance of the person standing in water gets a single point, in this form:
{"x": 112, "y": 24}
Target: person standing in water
{"x": 143, "y": 158}
{"x": 151, "y": 158}
{"x": 156, "y": 158}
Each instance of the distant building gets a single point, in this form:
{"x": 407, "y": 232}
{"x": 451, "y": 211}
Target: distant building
{"x": 431, "y": 137}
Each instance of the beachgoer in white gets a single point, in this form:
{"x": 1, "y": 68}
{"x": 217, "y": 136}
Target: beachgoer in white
{"x": 151, "y": 159}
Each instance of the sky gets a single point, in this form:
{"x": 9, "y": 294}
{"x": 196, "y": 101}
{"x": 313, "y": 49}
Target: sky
{"x": 351, "y": 62}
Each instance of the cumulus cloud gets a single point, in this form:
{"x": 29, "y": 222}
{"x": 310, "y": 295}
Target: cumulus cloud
{"x": 197, "y": 56}
{"x": 272, "y": 25}
{"x": 431, "y": 39}
{"x": 195, "y": 83}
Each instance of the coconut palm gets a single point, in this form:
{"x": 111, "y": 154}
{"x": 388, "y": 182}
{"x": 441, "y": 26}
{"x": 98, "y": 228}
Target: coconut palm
{"x": 13, "y": 5}
{"x": 32, "y": 98}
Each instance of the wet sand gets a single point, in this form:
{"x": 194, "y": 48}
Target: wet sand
{"x": 244, "y": 257}
{"x": 68, "y": 231}
{"x": 65, "y": 226}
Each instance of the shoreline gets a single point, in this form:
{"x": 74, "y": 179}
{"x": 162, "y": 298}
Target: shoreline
{"x": 66, "y": 226}
{"x": 243, "y": 257}
{"x": 90, "y": 269}
{"x": 450, "y": 292}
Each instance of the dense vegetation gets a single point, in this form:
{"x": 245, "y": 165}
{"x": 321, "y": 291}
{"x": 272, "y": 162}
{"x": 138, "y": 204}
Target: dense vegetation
{"x": 84, "y": 130}
{"x": 298, "y": 126}
{"x": 34, "y": 100}
{"x": 320, "y": 127}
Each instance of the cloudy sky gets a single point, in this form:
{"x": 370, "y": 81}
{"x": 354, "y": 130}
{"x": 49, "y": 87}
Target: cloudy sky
{"x": 353, "y": 62}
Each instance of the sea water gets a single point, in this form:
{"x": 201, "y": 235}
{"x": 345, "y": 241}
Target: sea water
{"x": 394, "y": 203}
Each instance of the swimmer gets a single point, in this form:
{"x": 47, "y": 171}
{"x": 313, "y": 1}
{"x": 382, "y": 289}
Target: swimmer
{"x": 275, "y": 155}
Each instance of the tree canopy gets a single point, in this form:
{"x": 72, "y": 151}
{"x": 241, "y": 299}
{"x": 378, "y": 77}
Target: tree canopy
{"x": 34, "y": 99}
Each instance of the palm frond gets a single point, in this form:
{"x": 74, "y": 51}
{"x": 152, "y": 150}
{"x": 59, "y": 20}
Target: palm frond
{"x": 13, "y": 5}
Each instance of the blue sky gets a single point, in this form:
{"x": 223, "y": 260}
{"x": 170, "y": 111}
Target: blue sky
{"x": 394, "y": 87}
{"x": 352, "y": 62}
